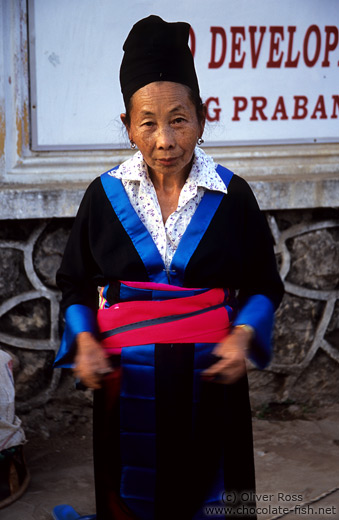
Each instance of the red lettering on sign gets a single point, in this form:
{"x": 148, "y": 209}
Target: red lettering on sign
{"x": 300, "y": 105}
{"x": 255, "y": 52}
{"x": 290, "y": 62}
{"x": 335, "y": 105}
{"x": 312, "y": 29}
{"x": 301, "y": 111}
{"x": 192, "y": 41}
{"x": 330, "y": 45}
{"x": 236, "y": 47}
{"x": 258, "y": 105}
{"x": 215, "y": 64}
{"x": 215, "y": 111}
{"x": 310, "y": 52}
{"x": 240, "y": 104}
{"x": 319, "y": 107}
{"x": 277, "y": 35}
{"x": 280, "y": 108}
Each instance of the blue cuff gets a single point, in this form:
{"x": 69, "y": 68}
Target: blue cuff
{"x": 79, "y": 318}
{"x": 258, "y": 312}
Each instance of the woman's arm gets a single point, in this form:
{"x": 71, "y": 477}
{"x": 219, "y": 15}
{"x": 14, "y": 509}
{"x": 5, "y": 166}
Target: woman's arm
{"x": 260, "y": 293}
{"x": 77, "y": 279}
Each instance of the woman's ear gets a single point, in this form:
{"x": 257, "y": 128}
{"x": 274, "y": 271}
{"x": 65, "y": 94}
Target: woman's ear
{"x": 123, "y": 118}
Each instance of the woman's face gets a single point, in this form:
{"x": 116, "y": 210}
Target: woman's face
{"x": 165, "y": 127}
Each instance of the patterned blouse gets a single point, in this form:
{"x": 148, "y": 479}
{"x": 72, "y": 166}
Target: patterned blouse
{"x": 142, "y": 195}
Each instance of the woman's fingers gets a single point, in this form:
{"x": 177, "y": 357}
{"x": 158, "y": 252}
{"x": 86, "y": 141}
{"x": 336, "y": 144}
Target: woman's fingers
{"x": 91, "y": 364}
{"x": 226, "y": 370}
{"x": 231, "y": 365}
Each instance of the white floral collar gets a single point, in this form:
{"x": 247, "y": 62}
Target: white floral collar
{"x": 203, "y": 173}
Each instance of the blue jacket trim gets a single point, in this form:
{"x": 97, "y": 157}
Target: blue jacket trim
{"x": 128, "y": 293}
{"x": 197, "y": 228}
{"x": 136, "y": 230}
{"x": 79, "y": 318}
{"x": 225, "y": 174}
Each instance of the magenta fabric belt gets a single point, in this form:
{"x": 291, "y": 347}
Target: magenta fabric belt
{"x": 201, "y": 318}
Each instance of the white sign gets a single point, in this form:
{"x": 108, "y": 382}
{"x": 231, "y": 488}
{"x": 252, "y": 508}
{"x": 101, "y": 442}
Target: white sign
{"x": 268, "y": 70}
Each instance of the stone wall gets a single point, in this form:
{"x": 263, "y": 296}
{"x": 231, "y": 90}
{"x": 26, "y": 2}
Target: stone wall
{"x": 305, "y": 365}
{"x": 306, "y": 336}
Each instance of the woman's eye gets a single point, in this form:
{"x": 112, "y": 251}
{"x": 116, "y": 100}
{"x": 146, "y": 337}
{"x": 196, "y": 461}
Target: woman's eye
{"x": 178, "y": 120}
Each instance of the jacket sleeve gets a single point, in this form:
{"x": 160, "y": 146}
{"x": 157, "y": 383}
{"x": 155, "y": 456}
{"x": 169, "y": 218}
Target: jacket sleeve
{"x": 261, "y": 289}
{"x": 77, "y": 279}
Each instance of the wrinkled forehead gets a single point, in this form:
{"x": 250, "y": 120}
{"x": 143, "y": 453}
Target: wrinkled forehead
{"x": 161, "y": 99}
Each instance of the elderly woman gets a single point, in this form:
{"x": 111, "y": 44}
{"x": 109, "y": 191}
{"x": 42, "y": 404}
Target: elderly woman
{"x": 184, "y": 265}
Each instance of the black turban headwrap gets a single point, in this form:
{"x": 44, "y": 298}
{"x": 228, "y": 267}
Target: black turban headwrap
{"x": 156, "y": 50}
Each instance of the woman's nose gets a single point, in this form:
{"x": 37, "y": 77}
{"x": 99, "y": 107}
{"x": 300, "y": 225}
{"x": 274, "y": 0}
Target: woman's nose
{"x": 165, "y": 137}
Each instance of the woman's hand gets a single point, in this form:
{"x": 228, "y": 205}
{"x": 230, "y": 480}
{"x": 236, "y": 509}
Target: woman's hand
{"x": 232, "y": 351}
{"x": 91, "y": 363}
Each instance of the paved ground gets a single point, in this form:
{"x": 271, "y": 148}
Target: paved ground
{"x": 297, "y": 461}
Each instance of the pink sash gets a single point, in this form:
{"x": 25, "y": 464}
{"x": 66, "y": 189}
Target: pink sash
{"x": 201, "y": 318}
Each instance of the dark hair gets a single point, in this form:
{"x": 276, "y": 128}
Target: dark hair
{"x": 193, "y": 96}
{"x": 198, "y": 104}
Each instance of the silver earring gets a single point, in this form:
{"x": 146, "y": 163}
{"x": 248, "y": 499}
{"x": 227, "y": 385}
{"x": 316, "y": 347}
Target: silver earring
{"x": 133, "y": 145}
{"x": 200, "y": 141}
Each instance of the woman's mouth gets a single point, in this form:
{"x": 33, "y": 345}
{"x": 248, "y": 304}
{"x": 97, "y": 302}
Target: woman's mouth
{"x": 167, "y": 161}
